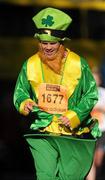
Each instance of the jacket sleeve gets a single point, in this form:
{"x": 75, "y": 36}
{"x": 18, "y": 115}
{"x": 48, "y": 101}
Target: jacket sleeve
{"x": 22, "y": 90}
{"x": 84, "y": 98}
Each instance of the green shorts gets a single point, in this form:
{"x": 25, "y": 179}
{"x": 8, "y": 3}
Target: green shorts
{"x": 61, "y": 158}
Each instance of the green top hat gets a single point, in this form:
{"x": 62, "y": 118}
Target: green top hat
{"x": 51, "y": 24}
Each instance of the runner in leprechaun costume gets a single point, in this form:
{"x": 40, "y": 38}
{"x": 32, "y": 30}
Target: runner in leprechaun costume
{"x": 57, "y": 87}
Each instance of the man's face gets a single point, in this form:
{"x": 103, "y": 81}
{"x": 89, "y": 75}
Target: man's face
{"x": 49, "y": 48}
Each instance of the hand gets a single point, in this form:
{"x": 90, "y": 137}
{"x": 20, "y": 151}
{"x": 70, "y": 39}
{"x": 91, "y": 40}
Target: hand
{"x": 29, "y": 106}
{"x": 64, "y": 120}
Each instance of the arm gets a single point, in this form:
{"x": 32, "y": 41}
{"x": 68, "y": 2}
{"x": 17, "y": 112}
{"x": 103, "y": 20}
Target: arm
{"x": 83, "y": 99}
{"x": 21, "y": 98}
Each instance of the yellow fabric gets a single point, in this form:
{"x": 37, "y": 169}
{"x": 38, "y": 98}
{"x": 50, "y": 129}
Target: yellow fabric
{"x": 50, "y": 75}
{"x": 34, "y": 72}
{"x": 21, "y": 109}
{"x": 72, "y": 116}
{"x": 84, "y": 130}
{"x": 56, "y": 127}
{"x": 72, "y": 72}
{"x": 70, "y": 78}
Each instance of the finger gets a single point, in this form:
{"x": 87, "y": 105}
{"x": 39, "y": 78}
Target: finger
{"x": 26, "y": 109}
{"x": 34, "y": 104}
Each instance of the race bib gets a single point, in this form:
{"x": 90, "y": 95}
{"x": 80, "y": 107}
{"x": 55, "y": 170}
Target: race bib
{"x": 53, "y": 98}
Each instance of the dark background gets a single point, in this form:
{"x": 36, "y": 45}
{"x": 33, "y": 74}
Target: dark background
{"x": 15, "y": 23}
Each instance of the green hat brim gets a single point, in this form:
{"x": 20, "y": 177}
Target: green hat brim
{"x": 46, "y": 37}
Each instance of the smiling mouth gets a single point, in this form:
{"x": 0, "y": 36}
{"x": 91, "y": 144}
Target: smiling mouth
{"x": 49, "y": 53}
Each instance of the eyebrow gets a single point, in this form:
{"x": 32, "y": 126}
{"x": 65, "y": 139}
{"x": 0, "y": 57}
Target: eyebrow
{"x": 46, "y": 42}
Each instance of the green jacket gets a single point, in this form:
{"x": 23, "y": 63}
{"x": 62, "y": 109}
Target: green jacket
{"x": 82, "y": 93}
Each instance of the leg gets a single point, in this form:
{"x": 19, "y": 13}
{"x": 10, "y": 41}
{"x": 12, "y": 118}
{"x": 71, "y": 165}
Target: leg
{"x": 45, "y": 158}
{"x": 75, "y": 158}
{"x": 92, "y": 173}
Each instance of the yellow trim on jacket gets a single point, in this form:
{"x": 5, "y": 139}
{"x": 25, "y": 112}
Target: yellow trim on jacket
{"x": 71, "y": 76}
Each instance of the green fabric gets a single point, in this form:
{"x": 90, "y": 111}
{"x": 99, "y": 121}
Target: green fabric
{"x": 51, "y": 18}
{"x": 96, "y": 131}
{"x": 45, "y": 119}
{"x": 76, "y": 155}
{"x": 82, "y": 100}
{"x": 45, "y": 37}
{"x": 58, "y": 158}
{"x": 86, "y": 95}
